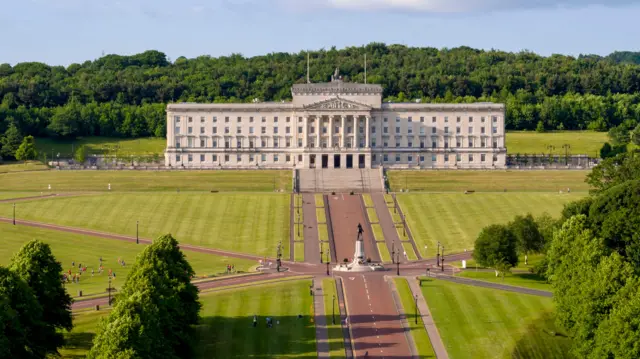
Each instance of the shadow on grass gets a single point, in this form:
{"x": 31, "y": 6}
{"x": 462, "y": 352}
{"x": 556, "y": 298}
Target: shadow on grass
{"x": 77, "y": 345}
{"x": 542, "y": 339}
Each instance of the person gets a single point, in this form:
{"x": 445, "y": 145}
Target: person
{"x": 73, "y": 263}
{"x": 255, "y": 320}
{"x": 92, "y": 272}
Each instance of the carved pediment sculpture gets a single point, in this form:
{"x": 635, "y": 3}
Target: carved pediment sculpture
{"x": 338, "y": 104}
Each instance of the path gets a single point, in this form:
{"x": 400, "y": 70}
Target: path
{"x": 346, "y": 213}
{"x": 375, "y": 326}
{"x": 310, "y": 231}
{"x": 427, "y": 320}
{"x": 386, "y": 221}
{"x": 44, "y": 196}
{"x": 322, "y": 332}
{"x": 491, "y": 285}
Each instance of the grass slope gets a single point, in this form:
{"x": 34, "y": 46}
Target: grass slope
{"x": 102, "y": 145}
{"x": 69, "y": 181}
{"x": 485, "y": 323}
{"x": 250, "y": 223}
{"x": 527, "y": 280}
{"x": 226, "y": 328}
{"x": 336, "y": 340}
{"x": 455, "y": 219}
{"x": 488, "y": 181}
{"x": 22, "y": 166}
{"x": 418, "y": 332}
{"x": 69, "y": 247}
{"x": 11, "y": 195}
{"x": 581, "y": 142}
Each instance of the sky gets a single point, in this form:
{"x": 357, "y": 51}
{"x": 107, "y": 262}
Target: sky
{"x": 62, "y": 32}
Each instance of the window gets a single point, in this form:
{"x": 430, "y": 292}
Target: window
{"x": 300, "y": 143}
{"x": 250, "y": 129}
{"x": 263, "y": 158}
{"x": 299, "y": 119}
{"x": 386, "y": 119}
{"x": 299, "y": 158}
{"x": 421, "y": 158}
{"x": 446, "y": 143}
{"x": 385, "y": 129}
{"x": 336, "y": 129}
{"x": 397, "y": 119}
{"x": 458, "y": 143}
{"x": 385, "y": 144}
{"x": 422, "y": 119}
{"x": 190, "y": 142}
{"x": 177, "y": 130}
{"x": 202, "y": 143}
{"x": 226, "y": 158}
{"x": 264, "y": 119}
{"x": 470, "y": 129}
{"x": 288, "y": 120}
{"x": 374, "y": 158}
{"x": 409, "y": 129}
{"x": 287, "y": 129}
{"x": 214, "y": 158}
{"x": 433, "y": 158}
{"x": 482, "y": 157}
{"x": 446, "y": 157}
{"x": 263, "y": 130}
{"x": 275, "y": 130}
{"x": 177, "y": 119}
{"x": 409, "y": 119}
{"x": 422, "y": 130}
{"x": 397, "y": 158}
{"x": 446, "y": 130}
{"x": 177, "y": 144}
{"x": 482, "y": 119}
{"x": 409, "y": 144}
{"x": 177, "y": 158}
{"x": 397, "y": 129}
{"x": 215, "y": 119}
{"x": 251, "y": 158}
{"x": 446, "y": 119}
{"x": 421, "y": 144}
{"x": 263, "y": 143}
{"x": 190, "y": 119}
{"x": 238, "y": 158}
{"x": 202, "y": 119}
{"x": 495, "y": 158}
{"x": 433, "y": 119}
{"x": 494, "y": 119}
{"x": 299, "y": 129}
{"x": 227, "y": 144}
{"x": 239, "y": 130}
{"x": 190, "y": 157}
{"x": 226, "y": 130}
{"x": 470, "y": 118}
{"x": 349, "y": 129}
{"x": 470, "y": 158}
{"x": 275, "y": 158}
{"x": 226, "y": 119}
{"x": 312, "y": 130}
{"x": 361, "y": 130}
{"x": 239, "y": 119}
{"x": 457, "y": 129}
{"x": 482, "y": 142}
{"x": 239, "y": 143}
{"x": 201, "y": 158}
{"x": 373, "y": 142}
{"x": 494, "y": 130}
{"x": 288, "y": 142}
{"x": 373, "y": 129}
{"x": 251, "y": 143}
{"x": 275, "y": 142}
{"x": 214, "y": 130}
{"x": 434, "y": 144}
{"x": 481, "y": 129}
{"x": 495, "y": 144}
{"x": 214, "y": 143}
{"x": 385, "y": 158}
{"x": 470, "y": 142}
{"x": 458, "y": 157}
{"x": 190, "y": 130}
{"x": 201, "y": 129}
{"x": 398, "y": 142}
{"x": 250, "y": 119}
{"x": 433, "y": 130}
{"x": 458, "y": 119}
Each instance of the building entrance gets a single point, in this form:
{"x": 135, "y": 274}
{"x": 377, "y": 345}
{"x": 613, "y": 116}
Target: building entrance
{"x": 336, "y": 161}
{"x": 360, "y": 161}
{"x": 325, "y": 161}
{"x": 349, "y": 161}
{"x": 312, "y": 161}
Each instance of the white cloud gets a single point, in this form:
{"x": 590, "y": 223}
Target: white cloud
{"x": 460, "y": 6}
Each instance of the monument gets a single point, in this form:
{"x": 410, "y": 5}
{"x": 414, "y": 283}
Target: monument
{"x": 359, "y": 262}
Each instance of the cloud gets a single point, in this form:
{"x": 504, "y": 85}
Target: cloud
{"x": 459, "y": 6}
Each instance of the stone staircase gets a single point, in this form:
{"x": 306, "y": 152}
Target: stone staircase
{"x": 340, "y": 180}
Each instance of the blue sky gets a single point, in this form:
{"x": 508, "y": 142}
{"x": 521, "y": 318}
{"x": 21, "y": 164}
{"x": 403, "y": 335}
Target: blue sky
{"x": 61, "y": 32}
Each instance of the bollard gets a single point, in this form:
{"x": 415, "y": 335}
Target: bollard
{"x": 79, "y": 293}
{"x": 97, "y": 307}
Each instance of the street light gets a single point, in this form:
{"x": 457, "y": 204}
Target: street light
{"x": 137, "y": 236}
{"x": 321, "y": 248}
{"x": 438, "y": 254}
{"x": 442, "y": 260}
{"x": 333, "y": 317}
{"x": 393, "y": 252}
{"x": 398, "y": 263}
{"x": 14, "y": 214}
{"x": 416, "y": 309}
{"x": 566, "y": 147}
{"x": 109, "y": 289}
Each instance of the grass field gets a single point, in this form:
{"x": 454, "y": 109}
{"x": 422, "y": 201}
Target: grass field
{"x": 102, "y": 145}
{"x": 323, "y": 234}
{"x": 86, "y": 250}
{"x": 373, "y": 216}
{"x": 485, "y": 323}
{"x": 336, "y": 340}
{"x": 11, "y": 195}
{"x": 368, "y": 201}
{"x": 581, "y": 142}
{"x": 408, "y": 248}
{"x": 71, "y": 181}
{"x": 471, "y": 263}
{"x": 298, "y": 251}
{"x": 250, "y": 223}
{"x": 319, "y": 200}
{"x": 527, "y": 280}
{"x": 385, "y": 257}
{"x": 20, "y": 167}
{"x": 455, "y": 219}
{"x": 419, "y": 334}
{"x": 321, "y": 215}
{"x": 378, "y": 235}
{"x": 226, "y": 328}
{"x": 489, "y": 181}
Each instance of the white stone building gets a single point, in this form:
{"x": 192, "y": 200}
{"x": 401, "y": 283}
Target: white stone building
{"x": 335, "y": 125}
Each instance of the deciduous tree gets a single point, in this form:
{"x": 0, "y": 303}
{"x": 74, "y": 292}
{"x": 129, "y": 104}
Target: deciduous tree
{"x": 529, "y": 239}
{"x": 27, "y": 149}
{"x": 495, "y": 247}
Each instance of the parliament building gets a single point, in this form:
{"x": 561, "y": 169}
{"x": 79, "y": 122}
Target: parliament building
{"x": 335, "y": 125}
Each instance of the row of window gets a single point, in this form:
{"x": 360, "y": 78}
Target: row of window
{"x": 252, "y": 158}
{"x": 434, "y": 158}
{"x": 177, "y": 119}
{"x": 288, "y": 158}
{"x": 263, "y": 130}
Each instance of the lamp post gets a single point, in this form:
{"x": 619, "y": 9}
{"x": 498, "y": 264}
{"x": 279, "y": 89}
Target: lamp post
{"x": 438, "y": 254}
{"x": 442, "y": 260}
{"x": 14, "y": 214}
{"x": 137, "y": 236}
{"x": 398, "y": 263}
{"x": 109, "y": 289}
{"x": 279, "y": 256}
{"x": 327, "y": 267}
{"x": 566, "y": 147}
{"x": 393, "y": 252}
{"x": 333, "y": 317}
{"x": 416, "y": 309}
{"x": 321, "y": 248}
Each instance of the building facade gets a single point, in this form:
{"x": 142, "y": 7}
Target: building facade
{"x": 336, "y": 125}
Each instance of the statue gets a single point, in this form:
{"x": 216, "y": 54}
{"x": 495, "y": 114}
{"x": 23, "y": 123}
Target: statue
{"x": 336, "y": 74}
{"x": 360, "y": 232}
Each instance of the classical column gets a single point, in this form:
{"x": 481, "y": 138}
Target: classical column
{"x": 330, "y": 132}
{"x": 343, "y": 129}
{"x": 355, "y": 131}
{"x": 367, "y": 129}
{"x": 305, "y": 129}
{"x": 319, "y": 131}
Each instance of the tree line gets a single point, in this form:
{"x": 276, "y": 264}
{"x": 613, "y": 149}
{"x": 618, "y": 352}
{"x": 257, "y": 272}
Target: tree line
{"x": 591, "y": 259}
{"x": 154, "y": 315}
{"x": 125, "y": 95}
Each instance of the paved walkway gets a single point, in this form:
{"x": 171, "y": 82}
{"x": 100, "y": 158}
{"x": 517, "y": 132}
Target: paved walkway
{"x": 386, "y": 222}
{"x": 310, "y": 231}
{"x": 427, "y": 320}
{"x": 403, "y": 317}
{"x": 491, "y": 285}
{"x": 322, "y": 333}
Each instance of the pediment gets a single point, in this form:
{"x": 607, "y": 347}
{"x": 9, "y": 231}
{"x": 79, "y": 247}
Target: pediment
{"x": 338, "y": 103}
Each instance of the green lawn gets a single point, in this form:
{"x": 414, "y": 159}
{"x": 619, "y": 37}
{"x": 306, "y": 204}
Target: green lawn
{"x": 489, "y": 181}
{"x": 455, "y": 219}
{"x": 418, "y": 332}
{"x": 336, "y": 340}
{"x": 223, "y": 180}
{"x": 320, "y": 215}
{"x": 319, "y": 200}
{"x": 471, "y": 263}
{"x": 527, "y": 280}
{"x": 226, "y": 328}
{"x": 408, "y": 248}
{"x": 385, "y": 257}
{"x": 250, "y": 223}
{"x": 11, "y": 195}
{"x": 368, "y": 201}
{"x": 20, "y": 167}
{"x": 581, "y": 142}
{"x": 86, "y": 250}
{"x": 373, "y": 216}
{"x": 298, "y": 253}
{"x": 486, "y": 323}
{"x": 323, "y": 235}
{"x": 102, "y": 145}
{"x": 378, "y": 235}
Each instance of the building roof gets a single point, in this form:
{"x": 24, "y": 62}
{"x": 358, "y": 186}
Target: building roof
{"x": 336, "y": 87}
{"x": 442, "y": 106}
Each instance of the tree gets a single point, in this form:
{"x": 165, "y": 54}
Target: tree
{"x": 21, "y": 327}
{"x": 495, "y": 247}
{"x": 540, "y": 127}
{"x": 157, "y": 298}
{"x": 27, "y": 149}
{"x": 605, "y": 150}
{"x": 614, "y": 171}
{"x": 635, "y": 135}
{"x": 10, "y": 142}
{"x": 528, "y": 237}
{"x": 36, "y": 265}
{"x": 81, "y": 154}
{"x": 620, "y": 135}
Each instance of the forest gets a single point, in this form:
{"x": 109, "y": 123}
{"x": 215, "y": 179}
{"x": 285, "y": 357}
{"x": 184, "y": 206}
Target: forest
{"x": 125, "y": 96}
